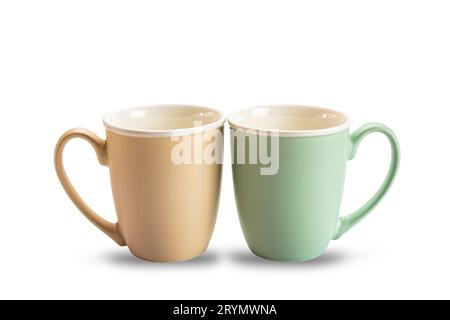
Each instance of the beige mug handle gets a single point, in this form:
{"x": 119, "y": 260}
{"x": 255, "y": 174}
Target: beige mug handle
{"x": 99, "y": 145}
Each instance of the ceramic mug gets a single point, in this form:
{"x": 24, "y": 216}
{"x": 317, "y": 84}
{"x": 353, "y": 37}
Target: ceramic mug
{"x": 289, "y": 210}
{"x": 165, "y": 190}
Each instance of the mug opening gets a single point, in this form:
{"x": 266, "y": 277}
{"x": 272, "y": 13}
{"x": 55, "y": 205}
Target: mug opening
{"x": 290, "y": 120}
{"x": 163, "y": 120}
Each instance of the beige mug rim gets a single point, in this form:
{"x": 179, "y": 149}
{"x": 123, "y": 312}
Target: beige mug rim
{"x": 162, "y": 132}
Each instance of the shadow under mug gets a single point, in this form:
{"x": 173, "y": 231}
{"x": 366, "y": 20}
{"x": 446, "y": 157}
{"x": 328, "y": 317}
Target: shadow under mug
{"x": 289, "y": 210}
{"x": 166, "y": 194}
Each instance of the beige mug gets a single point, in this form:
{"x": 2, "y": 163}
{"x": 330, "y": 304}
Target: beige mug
{"x": 165, "y": 165}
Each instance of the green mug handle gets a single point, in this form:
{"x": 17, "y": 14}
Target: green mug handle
{"x": 347, "y": 222}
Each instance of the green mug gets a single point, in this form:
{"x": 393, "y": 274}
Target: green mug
{"x": 288, "y": 172}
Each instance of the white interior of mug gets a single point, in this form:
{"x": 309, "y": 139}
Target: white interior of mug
{"x": 163, "y": 120}
{"x": 290, "y": 120}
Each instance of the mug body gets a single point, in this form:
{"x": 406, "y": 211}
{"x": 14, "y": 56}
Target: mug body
{"x": 291, "y": 211}
{"x": 166, "y": 195}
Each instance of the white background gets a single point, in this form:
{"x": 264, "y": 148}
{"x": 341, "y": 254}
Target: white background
{"x": 64, "y": 64}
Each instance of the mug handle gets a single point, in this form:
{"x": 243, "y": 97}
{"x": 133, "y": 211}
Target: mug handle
{"x": 347, "y": 222}
{"x": 99, "y": 145}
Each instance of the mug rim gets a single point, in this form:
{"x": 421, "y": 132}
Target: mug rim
{"x": 162, "y": 132}
{"x": 294, "y": 132}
